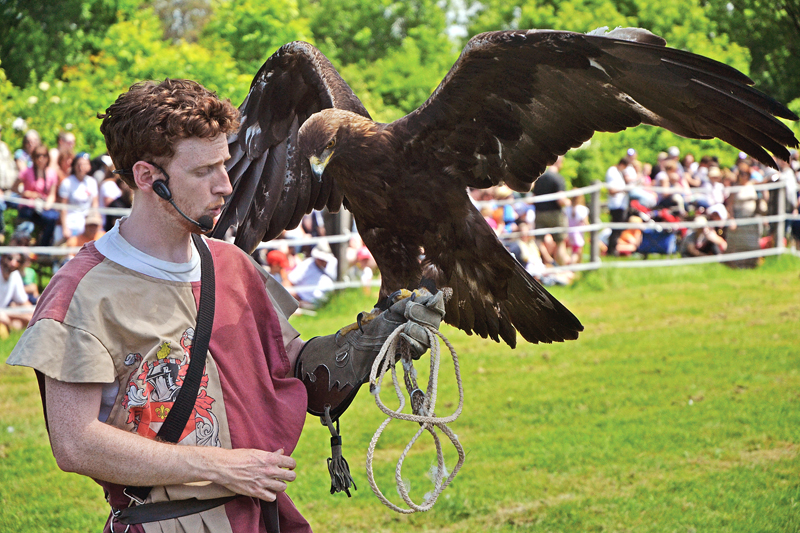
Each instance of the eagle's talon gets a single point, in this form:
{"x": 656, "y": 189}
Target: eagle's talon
{"x": 362, "y": 319}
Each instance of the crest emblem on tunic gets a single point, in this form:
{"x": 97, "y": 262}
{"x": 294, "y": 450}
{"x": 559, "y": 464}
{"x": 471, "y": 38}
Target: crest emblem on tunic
{"x": 154, "y": 384}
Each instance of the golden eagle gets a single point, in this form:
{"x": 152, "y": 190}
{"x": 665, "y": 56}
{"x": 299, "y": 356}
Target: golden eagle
{"x": 512, "y": 103}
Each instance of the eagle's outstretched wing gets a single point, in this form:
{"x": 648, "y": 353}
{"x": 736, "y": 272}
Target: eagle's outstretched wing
{"x": 515, "y": 100}
{"x": 272, "y": 187}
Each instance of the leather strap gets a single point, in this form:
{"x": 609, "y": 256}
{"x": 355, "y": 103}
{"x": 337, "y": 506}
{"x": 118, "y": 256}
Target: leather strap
{"x": 182, "y": 408}
{"x": 155, "y": 512}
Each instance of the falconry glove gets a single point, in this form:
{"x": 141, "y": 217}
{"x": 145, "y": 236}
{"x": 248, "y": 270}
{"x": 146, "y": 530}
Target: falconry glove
{"x": 333, "y": 368}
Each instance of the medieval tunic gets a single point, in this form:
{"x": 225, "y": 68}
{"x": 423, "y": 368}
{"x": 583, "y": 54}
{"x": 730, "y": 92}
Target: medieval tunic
{"x": 100, "y": 322}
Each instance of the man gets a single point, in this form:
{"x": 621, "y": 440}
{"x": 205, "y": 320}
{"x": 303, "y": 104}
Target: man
{"x": 65, "y": 144}
{"x": 114, "y": 330}
{"x": 549, "y": 214}
{"x": 316, "y": 274}
{"x": 617, "y": 200}
{"x": 12, "y": 293}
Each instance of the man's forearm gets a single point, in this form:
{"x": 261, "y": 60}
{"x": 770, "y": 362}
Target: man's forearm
{"x": 84, "y": 445}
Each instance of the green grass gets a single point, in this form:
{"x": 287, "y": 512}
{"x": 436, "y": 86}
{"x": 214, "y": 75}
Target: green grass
{"x": 677, "y": 410}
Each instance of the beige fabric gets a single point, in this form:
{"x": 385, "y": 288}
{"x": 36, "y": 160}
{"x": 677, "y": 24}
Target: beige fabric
{"x": 45, "y": 345}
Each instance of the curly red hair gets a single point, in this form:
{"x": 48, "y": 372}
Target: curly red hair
{"x": 146, "y": 121}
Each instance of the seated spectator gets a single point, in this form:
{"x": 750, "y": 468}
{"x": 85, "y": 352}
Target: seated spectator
{"x": 64, "y": 166}
{"x": 278, "y": 266}
{"x": 80, "y": 190}
{"x": 92, "y": 230}
{"x": 713, "y": 190}
{"x": 679, "y": 193}
{"x": 39, "y": 183}
{"x": 702, "y": 241}
{"x": 29, "y": 279}
{"x": 531, "y": 258}
{"x": 630, "y": 239}
{"x": 22, "y": 237}
{"x": 125, "y": 200}
{"x": 108, "y": 190}
{"x": 363, "y": 268}
{"x": 12, "y": 293}
{"x": 315, "y": 274}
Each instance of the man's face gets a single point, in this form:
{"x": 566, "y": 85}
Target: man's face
{"x": 198, "y": 179}
{"x": 10, "y": 263}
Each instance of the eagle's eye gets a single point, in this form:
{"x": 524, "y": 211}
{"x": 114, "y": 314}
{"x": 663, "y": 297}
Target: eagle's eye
{"x": 331, "y": 144}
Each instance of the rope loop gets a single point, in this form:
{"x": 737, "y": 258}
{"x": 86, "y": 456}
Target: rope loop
{"x": 423, "y": 406}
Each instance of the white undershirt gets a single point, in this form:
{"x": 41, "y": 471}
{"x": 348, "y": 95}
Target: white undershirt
{"x": 114, "y": 246}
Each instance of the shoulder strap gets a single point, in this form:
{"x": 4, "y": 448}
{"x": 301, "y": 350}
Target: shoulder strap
{"x": 178, "y": 416}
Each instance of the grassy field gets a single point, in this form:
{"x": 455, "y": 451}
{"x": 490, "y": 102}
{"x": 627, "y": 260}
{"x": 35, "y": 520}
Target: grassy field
{"x": 678, "y": 410}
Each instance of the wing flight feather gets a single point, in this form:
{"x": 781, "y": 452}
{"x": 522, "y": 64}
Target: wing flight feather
{"x": 530, "y": 96}
{"x": 272, "y": 187}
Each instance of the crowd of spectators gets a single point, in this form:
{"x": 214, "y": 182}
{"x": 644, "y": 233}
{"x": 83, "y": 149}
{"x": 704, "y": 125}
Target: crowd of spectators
{"x": 671, "y": 189}
{"x": 309, "y": 272}
{"x": 34, "y": 179}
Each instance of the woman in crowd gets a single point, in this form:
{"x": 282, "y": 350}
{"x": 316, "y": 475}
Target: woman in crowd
{"x": 39, "y": 183}
{"x": 743, "y": 204}
{"x": 577, "y": 216}
{"x": 79, "y": 190}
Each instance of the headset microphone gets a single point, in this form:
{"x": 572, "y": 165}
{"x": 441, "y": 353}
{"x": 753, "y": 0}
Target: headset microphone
{"x": 160, "y": 187}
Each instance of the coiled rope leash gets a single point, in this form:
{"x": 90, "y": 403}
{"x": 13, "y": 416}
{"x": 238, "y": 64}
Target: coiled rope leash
{"x": 422, "y": 406}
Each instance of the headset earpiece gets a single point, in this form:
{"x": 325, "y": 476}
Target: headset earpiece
{"x": 161, "y": 188}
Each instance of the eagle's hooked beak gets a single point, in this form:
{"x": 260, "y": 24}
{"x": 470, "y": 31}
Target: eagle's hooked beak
{"x": 318, "y": 165}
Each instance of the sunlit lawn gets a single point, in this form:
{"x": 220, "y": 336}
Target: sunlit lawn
{"x": 678, "y": 409}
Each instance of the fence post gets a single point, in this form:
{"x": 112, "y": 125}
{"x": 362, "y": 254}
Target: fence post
{"x": 594, "y": 213}
{"x": 780, "y": 229}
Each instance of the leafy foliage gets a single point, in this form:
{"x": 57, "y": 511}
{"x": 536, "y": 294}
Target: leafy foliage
{"x": 40, "y": 36}
{"x": 62, "y": 61}
{"x": 770, "y": 29}
{"x": 251, "y": 30}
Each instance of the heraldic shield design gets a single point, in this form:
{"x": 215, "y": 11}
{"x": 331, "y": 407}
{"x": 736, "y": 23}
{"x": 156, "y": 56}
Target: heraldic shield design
{"x": 153, "y": 387}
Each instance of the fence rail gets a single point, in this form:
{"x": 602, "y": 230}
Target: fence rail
{"x": 593, "y": 228}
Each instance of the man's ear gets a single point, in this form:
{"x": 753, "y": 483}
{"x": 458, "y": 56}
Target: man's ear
{"x": 144, "y": 174}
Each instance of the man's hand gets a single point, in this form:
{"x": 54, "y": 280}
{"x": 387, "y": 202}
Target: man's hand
{"x": 253, "y": 473}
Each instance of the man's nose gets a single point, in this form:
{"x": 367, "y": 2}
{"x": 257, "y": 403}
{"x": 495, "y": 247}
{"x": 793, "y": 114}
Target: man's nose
{"x": 223, "y": 185}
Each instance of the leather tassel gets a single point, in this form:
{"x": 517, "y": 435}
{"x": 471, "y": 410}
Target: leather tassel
{"x": 341, "y": 480}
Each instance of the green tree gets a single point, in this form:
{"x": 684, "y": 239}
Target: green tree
{"x": 40, "y": 37}
{"x": 132, "y": 51}
{"x": 770, "y": 29}
{"x": 353, "y": 31}
{"x": 182, "y": 19}
{"x": 251, "y": 30}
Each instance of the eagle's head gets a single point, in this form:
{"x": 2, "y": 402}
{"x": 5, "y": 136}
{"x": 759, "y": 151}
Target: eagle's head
{"x": 327, "y": 132}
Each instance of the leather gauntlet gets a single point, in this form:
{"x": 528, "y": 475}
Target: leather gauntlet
{"x": 334, "y": 367}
